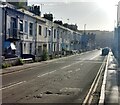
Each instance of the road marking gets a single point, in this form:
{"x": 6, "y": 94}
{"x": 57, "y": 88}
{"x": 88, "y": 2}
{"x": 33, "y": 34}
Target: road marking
{"x": 13, "y": 85}
{"x": 78, "y": 69}
{"x": 46, "y": 74}
{"x": 60, "y": 62}
{"x": 71, "y": 64}
{"x": 70, "y": 71}
{"x": 94, "y": 57}
{"x": 66, "y": 66}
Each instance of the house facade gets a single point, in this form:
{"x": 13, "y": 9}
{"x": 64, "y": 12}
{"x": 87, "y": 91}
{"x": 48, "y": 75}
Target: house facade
{"x": 12, "y": 31}
{"x": 28, "y": 34}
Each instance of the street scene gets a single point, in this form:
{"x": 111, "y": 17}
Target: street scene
{"x": 61, "y": 81}
{"x": 54, "y": 54}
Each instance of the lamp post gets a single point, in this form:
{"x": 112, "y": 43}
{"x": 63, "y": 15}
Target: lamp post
{"x": 84, "y": 28}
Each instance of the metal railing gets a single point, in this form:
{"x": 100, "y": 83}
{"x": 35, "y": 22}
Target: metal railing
{"x": 88, "y": 99}
{"x": 102, "y": 93}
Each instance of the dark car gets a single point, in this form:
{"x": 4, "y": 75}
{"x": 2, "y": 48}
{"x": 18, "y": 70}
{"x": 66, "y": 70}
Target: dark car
{"x": 105, "y": 51}
{"x": 7, "y": 56}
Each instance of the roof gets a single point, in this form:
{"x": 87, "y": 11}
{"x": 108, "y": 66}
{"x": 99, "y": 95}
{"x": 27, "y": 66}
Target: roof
{"x": 32, "y": 15}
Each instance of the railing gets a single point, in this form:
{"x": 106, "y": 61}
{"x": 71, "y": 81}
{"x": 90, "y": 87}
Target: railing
{"x": 89, "y": 97}
{"x": 13, "y": 33}
{"x": 102, "y": 94}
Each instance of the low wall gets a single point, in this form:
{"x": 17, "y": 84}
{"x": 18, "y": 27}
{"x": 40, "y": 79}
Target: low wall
{"x": 10, "y": 62}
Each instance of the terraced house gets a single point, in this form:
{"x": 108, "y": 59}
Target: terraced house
{"x": 12, "y": 31}
{"x": 29, "y": 34}
{"x": 34, "y": 37}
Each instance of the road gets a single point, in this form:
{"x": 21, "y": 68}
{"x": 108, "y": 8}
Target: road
{"x": 63, "y": 81}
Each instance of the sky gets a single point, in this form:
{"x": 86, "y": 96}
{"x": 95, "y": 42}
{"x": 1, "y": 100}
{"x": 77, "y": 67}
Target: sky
{"x": 96, "y": 14}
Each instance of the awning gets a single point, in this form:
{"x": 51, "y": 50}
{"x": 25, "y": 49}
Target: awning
{"x": 12, "y": 45}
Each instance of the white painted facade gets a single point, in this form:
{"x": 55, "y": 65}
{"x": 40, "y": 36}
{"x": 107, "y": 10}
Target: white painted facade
{"x": 39, "y": 34}
{"x": 29, "y": 30}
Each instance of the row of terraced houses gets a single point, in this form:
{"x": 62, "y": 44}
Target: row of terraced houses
{"x": 23, "y": 32}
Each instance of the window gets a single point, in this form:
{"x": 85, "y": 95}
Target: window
{"x": 58, "y": 34}
{"x": 54, "y": 33}
{"x": 26, "y": 26}
{"x": 49, "y": 32}
{"x": 54, "y": 47}
{"x": 13, "y": 23}
{"x": 24, "y": 47}
{"x": 45, "y": 47}
{"x": 39, "y": 50}
{"x": 31, "y": 29}
{"x": 21, "y": 25}
{"x": 49, "y": 48}
{"x": 30, "y": 48}
{"x": 45, "y": 32}
{"x": 40, "y": 30}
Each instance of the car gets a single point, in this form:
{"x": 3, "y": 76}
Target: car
{"x": 105, "y": 51}
{"x": 74, "y": 51}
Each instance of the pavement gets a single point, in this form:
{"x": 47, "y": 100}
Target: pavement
{"x": 112, "y": 82}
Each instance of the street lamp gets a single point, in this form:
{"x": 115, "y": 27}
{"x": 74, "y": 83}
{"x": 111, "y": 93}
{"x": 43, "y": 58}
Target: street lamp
{"x": 84, "y": 28}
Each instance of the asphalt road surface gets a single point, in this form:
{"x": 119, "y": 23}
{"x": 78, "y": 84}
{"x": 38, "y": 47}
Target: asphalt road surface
{"x": 63, "y": 81}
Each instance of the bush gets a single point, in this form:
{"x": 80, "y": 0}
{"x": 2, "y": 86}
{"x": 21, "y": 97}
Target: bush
{"x": 45, "y": 55}
{"x": 20, "y": 61}
{"x": 5, "y": 65}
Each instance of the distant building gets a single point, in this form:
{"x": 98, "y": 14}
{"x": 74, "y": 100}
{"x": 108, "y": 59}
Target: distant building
{"x": 102, "y": 38}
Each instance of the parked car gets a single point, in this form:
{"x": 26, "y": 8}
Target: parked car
{"x": 74, "y": 51}
{"x": 10, "y": 56}
{"x": 105, "y": 51}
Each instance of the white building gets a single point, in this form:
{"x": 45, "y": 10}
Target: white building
{"x": 35, "y": 38}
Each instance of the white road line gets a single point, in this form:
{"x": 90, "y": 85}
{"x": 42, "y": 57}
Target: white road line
{"x": 13, "y": 85}
{"x": 70, "y": 71}
{"x": 46, "y": 74}
{"x": 52, "y": 72}
{"x": 78, "y": 69}
{"x": 43, "y": 75}
{"x": 71, "y": 65}
{"x": 93, "y": 57}
{"x": 66, "y": 66}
